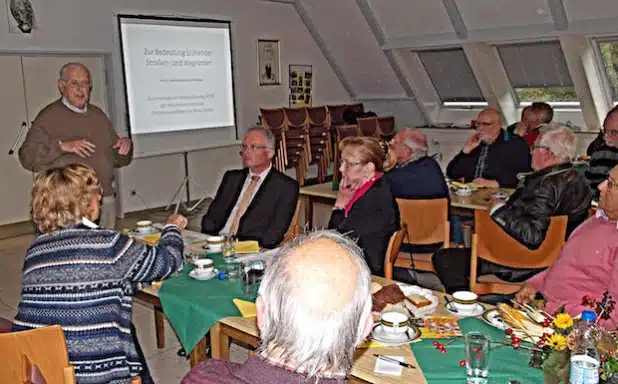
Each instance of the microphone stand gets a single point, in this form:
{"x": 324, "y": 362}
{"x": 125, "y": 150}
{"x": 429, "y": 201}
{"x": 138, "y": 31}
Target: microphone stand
{"x": 22, "y": 131}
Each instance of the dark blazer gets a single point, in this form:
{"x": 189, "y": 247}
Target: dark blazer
{"x": 373, "y": 219}
{"x": 418, "y": 179}
{"x": 269, "y": 214}
{"x": 507, "y": 156}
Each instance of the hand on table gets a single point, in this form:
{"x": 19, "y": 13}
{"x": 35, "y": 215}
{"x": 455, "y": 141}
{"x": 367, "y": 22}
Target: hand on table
{"x": 486, "y": 182}
{"x": 178, "y": 220}
{"x": 123, "y": 145}
{"x": 347, "y": 189}
{"x": 80, "y": 147}
{"x": 472, "y": 143}
{"x": 526, "y": 294}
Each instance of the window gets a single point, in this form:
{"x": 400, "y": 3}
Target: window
{"x": 452, "y": 77}
{"x": 538, "y": 72}
{"x": 609, "y": 56}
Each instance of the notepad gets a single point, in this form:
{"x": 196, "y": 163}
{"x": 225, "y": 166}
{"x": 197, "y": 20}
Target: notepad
{"x": 249, "y": 246}
{"x": 386, "y": 367}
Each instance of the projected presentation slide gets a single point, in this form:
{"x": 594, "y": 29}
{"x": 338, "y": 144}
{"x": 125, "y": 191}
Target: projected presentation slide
{"x": 178, "y": 76}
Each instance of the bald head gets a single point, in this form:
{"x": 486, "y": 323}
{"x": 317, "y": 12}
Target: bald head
{"x": 488, "y": 124}
{"x": 315, "y": 303}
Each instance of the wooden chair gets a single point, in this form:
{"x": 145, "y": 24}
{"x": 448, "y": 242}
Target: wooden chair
{"x": 357, "y": 107}
{"x": 45, "y": 347}
{"x": 274, "y": 119}
{"x": 491, "y": 243}
{"x": 427, "y": 223}
{"x": 368, "y": 126}
{"x": 393, "y": 250}
{"x": 386, "y": 127}
{"x": 294, "y": 228}
{"x": 336, "y": 114}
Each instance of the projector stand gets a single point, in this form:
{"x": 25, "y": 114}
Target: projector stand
{"x": 184, "y": 185}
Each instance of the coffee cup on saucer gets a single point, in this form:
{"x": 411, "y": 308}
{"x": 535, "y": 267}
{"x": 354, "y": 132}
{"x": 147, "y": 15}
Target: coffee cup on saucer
{"x": 465, "y": 301}
{"x": 215, "y": 243}
{"x": 464, "y": 191}
{"x": 203, "y": 266}
{"x": 143, "y": 226}
{"x": 394, "y": 322}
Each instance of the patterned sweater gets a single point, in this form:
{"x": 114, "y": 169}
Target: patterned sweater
{"x": 602, "y": 160}
{"x": 83, "y": 279}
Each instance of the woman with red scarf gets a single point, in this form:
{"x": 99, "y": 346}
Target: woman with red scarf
{"x": 365, "y": 208}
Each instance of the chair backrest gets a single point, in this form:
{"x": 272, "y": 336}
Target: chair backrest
{"x": 344, "y": 131}
{"x": 45, "y": 347}
{"x": 272, "y": 118}
{"x": 368, "y": 126}
{"x": 318, "y": 115}
{"x": 386, "y": 124}
{"x": 358, "y": 107}
{"x": 296, "y": 117}
{"x": 393, "y": 251}
{"x": 491, "y": 243}
{"x": 336, "y": 114}
{"x": 426, "y": 220}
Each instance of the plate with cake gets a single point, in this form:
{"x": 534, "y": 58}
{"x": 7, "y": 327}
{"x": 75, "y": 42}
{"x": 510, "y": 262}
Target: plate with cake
{"x": 419, "y": 301}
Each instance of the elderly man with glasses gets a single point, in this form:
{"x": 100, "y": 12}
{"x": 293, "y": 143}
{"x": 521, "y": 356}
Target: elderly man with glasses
{"x": 71, "y": 130}
{"x": 491, "y": 157}
{"x": 604, "y": 152}
{"x": 555, "y": 188}
{"x": 256, "y": 202}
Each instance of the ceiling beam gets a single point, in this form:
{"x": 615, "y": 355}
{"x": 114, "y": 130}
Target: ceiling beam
{"x": 456, "y": 20}
{"x": 558, "y": 14}
{"x": 301, "y": 9}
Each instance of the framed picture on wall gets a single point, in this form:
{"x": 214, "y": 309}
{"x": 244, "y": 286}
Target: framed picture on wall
{"x": 269, "y": 68}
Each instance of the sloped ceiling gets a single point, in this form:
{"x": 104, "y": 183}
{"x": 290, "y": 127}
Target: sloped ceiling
{"x": 402, "y": 18}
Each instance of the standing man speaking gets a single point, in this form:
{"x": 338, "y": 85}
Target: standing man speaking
{"x": 71, "y": 130}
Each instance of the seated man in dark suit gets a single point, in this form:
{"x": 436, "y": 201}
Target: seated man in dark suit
{"x": 416, "y": 175}
{"x": 257, "y": 202}
{"x": 555, "y": 188}
{"x": 491, "y": 157}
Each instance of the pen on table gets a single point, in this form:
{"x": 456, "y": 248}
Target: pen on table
{"x": 394, "y": 361}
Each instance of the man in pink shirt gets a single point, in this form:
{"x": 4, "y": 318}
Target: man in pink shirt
{"x": 588, "y": 263}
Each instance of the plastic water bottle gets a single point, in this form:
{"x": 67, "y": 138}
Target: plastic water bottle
{"x": 585, "y": 359}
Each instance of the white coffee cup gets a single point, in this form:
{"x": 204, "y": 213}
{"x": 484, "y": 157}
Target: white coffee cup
{"x": 203, "y": 266}
{"x": 464, "y": 191}
{"x": 465, "y": 301}
{"x": 394, "y": 322}
{"x": 215, "y": 243}
{"x": 144, "y": 226}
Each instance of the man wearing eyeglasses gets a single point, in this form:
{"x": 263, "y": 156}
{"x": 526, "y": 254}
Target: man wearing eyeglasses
{"x": 256, "y": 202}
{"x": 71, "y": 130}
{"x": 604, "y": 155}
{"x": 491, "y": 157}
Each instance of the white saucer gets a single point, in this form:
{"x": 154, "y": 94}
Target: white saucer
{"x": 204, "y": 276}
{"x": 493, "y": 318}
{"x": 210, "y": 251}
{"x": 150, "y": 231}
{"x": 477, "y": 310}
{"x": 394, "y": 339}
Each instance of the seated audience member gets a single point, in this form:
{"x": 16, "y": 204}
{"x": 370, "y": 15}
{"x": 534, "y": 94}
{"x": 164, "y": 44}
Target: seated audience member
{"x": 542, "y": 114}
{"x": 491, "y": 157}
{"x": 82, "y": 277}
{"x": 522, "y": 127}
{"x": 555, "y": 188}
{"x": 365, "y": 208}
{"x": 596, "y": 143}
{"x": 313, "y": 342}
{"x": 587, "y": 264}
{"x": 416, "y": 175}
{"x": 257, "y": 202}
{"x": 605, "y": 156}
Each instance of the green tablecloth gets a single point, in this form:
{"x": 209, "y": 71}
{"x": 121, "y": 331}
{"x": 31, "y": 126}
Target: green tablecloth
{"x": 505, "y": 363}
{"x": 194, "y": 306}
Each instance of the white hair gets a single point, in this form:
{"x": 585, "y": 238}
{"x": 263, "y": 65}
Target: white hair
{"x": 268, "y": 134}
{"x": 307, "y": 339}
{"x": 560, "y": 140}
{"x": 72, "y": 65}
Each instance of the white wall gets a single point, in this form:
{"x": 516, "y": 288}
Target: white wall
{"x": 78, "y": 26}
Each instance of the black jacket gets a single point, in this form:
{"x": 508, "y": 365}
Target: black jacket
{"x": 372, "y": 220}
{"x": 508, "y": 155}
{"x": 558, "y": 190}
{"x": 418, "y": 179}
{"x": 267, "y": 217}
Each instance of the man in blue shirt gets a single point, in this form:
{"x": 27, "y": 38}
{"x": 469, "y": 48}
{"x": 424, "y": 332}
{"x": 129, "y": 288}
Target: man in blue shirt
{"x": 416, "y": 176}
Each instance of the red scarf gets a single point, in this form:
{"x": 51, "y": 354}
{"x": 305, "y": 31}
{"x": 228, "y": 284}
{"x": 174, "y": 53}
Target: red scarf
{"x": 360, "y": 192}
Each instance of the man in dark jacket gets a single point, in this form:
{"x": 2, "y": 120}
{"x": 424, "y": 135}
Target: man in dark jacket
{"x": 603, "y": 152}
{"x": 491, "y": 157}
{"x": 554, "y": 189}
{"x": 416, "y": 175}
{"x": 257, "y": 202}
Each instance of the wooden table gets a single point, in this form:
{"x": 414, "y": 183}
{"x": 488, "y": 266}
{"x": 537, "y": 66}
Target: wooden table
{"x": 245, "y": 330}
{"x": 323, "y": 193}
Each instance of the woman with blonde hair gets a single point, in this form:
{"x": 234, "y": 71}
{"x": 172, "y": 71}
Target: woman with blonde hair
{"x": 365, "y": 208}
{"x": 83, "y": 277}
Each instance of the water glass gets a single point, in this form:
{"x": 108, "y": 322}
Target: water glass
{"x": 234, "y": 271}
{"x": 477, "y": 357}
{"x": 229, "y": 247}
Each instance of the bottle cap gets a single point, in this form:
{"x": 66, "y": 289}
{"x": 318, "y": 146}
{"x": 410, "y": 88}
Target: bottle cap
{"x": 589, "y": 316}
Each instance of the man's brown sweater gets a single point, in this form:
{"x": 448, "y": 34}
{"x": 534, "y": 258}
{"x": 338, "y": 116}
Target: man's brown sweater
{"x": 55, "y": 123}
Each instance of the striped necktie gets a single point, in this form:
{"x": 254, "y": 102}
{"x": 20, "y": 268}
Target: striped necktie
{"x": 244, "y": 203}
{"x": 480, "y": 164}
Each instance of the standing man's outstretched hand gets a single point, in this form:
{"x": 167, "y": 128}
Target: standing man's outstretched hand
{"x": 123, "y": 145}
